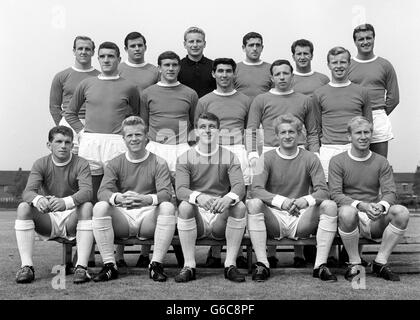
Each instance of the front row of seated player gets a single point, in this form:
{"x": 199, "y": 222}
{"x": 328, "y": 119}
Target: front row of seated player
{"x": 135, "y": 200}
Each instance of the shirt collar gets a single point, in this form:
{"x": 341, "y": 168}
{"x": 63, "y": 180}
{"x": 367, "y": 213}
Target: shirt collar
{"x": 62, "y": 164}
{"x": 278, "y": 93}
{"x": 359, "y": 159}
{"x": 340, "y": 85}
{"x": 224, "y": 94}
{"x": 136, "y": 160}
{"x": 365, "y": 61}
{"x": 83, "y": 70}
{"x": 206, "y": 154}
{"x": 253, "y": 63}
{"x": 161, "y": 84}
{"x": 102, "y": 77}
{"x": 304, "y": 74}
{"x": 135, "y": 65}
{"x": 192, "y": 62}
{"x": 283, "y": 156}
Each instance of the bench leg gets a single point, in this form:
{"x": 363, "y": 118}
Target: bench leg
{"x": 179, "y": 255}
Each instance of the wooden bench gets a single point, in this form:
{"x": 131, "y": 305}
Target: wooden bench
{"x": 246, "y": 242}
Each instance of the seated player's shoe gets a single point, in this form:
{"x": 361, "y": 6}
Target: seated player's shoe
{"x": 384, "y": 271}
{"x": 143, "y": 262}
{"x": 323, "y": 273}
{"x": 260, "y": 272}
{"x": 332, "y": 262}
{"x": 299, "y": 262}
{"x": 81, "y": 275}
{"x": 352, "y": 271}
{"x": 241, "y": 262}
{"x": 272, "y": 261}
{"x": 69, "y": 268}
{"x": 107, "y": 273}
{"x": 156, "y": 272}
{"x": 232, "y": 273}
{"x": 91, "y": 264}
{"x": 26, "y": 274}
{"x": 344, "y": 259}
{"x": 186, "y": 274}
{"x": 122, "y": 264}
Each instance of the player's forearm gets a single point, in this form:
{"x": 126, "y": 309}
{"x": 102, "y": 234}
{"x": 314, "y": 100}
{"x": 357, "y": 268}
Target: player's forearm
{"x": 55, "y": 111}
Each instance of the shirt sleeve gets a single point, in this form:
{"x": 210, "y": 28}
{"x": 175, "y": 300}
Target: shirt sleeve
{"x": 192, "y": 114}
{"x": 182, "y": 181}
{"x": 109, "y": 183}
{"x": 72, "y": 112}
{"x": 84, "y": 180}
{"x": 56, "y": 99}
{"x": 254, "y": 120}
{"x": 311, "y": 127}
{"x": 386, "y": 181}
{"x": 335, "y": 183}
{"x": 392, "y": 90}
{"x": 319, "y": 185}
{"x": 258, "y": 187}
{"x": 316, "y": 117}
{"x": 163, "y": 181}
{"x": 236, "y": 177}
{"x": 367, "y": 108}
{"x": 35, "y": 180}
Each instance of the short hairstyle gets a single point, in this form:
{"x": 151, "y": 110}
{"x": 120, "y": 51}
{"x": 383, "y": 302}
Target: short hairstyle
{"x": 110, "y": 45}
{"x": 287, "y": 118}
{"x": 133, "y": 121}
{"x": 132, "y": 36}
{"x": 84, "y": 38}
{"x": 279, "y": 63}
{"x": 65, "y": 131}
{"x": 356, "y": 121}
{"x": 336, "y": 51}
{"x": 363, "y": 28}
{"x": 228, "y": 61}
{"x": 194, "y": 30}
{"x": 168, "y": 55}
{"x": 251, "y": 35}
{"x": 208, "y": 116}
{"x": 302, "y": 43}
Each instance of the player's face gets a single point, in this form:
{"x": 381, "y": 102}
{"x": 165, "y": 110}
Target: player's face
{"x": 194, "y": 44}
{"x": 223, "y": 75}
{"x": 207, "y": 131}
{"x": 339, "y": 65}
{"x": 135, "y": 138}
{"x": 364, "y": 42}
{"x": 361, "y": 135}
{"x": 169, "y": 69}
{"x": 108, "y": 61}
{"x": 60, "y": 147}
{"x": 135, "y": 50}
{"x": 302, "y": 57}
{"x": 288, "y": 136}
{"x": 282, "y": 77}
{"x": 253, "y": 49}
{"x": 83, "y": 52}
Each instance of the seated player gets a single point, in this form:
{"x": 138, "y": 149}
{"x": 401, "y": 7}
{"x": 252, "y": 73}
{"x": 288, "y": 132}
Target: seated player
{"x": 62, "y": 210}
{"x": 133, "y": 202}
{"x": 210, "y": 184}
{"x": 280, "y": 204}
{"x": 361, "y": 182}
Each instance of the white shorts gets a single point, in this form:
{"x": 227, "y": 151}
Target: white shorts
{"x": 240, "y": 151}
{"x": 169, "y": 152}
{"x": 208, "y": 221}
{"x": 99, "y": 148}
{"x": 364, "y": 226}
{"x": 287, "y": 223}
{"x": 327, "y": 151}
{"x": 63, "y": 122}
{"x": 135, "y": 218}
{"x": 382, "y": 128}
{"x": 58, "y": 225}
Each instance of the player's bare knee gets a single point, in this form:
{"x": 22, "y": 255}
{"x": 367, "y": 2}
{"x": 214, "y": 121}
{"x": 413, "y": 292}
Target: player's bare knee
{"x": 166, "y": 209}
{"x": 24, "y": 211}
{"x": 101, "y": 209}
{"x": 85, "y": 211}
{"x": 254, "y": 206}
{"x": 238, "y": 211}
{"x": 400, "y": 216}
{"x": 329, "y": 208}
{"x": 186, "y": 210}
{"x": 347, "y": 217}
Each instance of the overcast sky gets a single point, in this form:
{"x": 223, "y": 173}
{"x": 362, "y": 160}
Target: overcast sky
{"x": 37, "y": 39}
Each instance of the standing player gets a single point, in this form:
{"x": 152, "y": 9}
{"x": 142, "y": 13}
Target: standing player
{"x": 305, "y": 79}
{"x": 195, "y": 67}
{"x": 281, "y": 205}
{"x": 56, "y": 205}
{"x": 109, "y": 99}
{"x": 134, "y": 202}
{"x": 335, "y": 104}
{"x": 252, "y": 76}
{"x": 210, "y": 184}
{"x": 144, "y": 75}
{"x": 65, "y": 82}
{"x": 231, "y": 107}
{"x": 361, "y": 183}
{"x": 378, "y": 76}
{"x": 135, "y": 69}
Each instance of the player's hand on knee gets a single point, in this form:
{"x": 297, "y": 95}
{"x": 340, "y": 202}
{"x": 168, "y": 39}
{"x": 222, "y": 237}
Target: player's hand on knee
{"x": 43, "y": 205}
{"x": 372, "y": 212}
{"x": 205, "y": 201}
{"x": 57, "y": 204}
{"x": 221, "y": 204}
{"x": 301, "y": 203}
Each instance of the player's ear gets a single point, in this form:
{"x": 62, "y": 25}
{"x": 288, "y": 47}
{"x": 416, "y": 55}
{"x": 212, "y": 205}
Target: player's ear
{"x": 49, "y": 145}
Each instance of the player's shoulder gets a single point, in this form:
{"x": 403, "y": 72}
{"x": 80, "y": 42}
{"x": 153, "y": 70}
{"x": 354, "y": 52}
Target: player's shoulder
{"x": 339, "y": 158}
{"x": 380, "y": 159}
{"x": 117, "y": 160}
{"x": 324, "y": 78}
{"x": 43, "y": 161}
{"x": 187, "y": 90}
{"x": 384, "y": 62}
